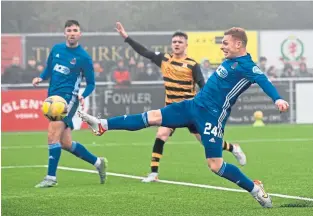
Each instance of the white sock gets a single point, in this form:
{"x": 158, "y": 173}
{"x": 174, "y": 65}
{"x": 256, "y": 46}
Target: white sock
{"x": 255, "y": 190}
{"x": 104, "y": 123}
{"x": 98, "y": 162}
{"x": 53, "y": 178}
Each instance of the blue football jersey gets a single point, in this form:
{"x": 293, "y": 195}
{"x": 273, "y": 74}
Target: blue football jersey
{"x": 231, "y": 79}
{"x": 66, "y": 68}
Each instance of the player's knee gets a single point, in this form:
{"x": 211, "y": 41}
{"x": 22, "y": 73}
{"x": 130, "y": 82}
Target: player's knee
{"x": 154, "y": 117}
{"x": 164, "y": 134}
{"x": 53, "y": 136}
{"x": 163, "y": 137}
{"x": 214, "y": 167}
{"x": 215, "y": 164}
{"x": 55, "y": 131}
{"x": 66, "y": 139}
{"x": 66, "y": 145}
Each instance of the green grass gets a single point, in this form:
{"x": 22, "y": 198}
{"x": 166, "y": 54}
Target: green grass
{"x": 280, "y": 156}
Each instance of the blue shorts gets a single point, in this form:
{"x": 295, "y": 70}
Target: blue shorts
{"x": 192, "y": 129}
{"x": 73, "y": 103}
{"x": 187, "y": 113}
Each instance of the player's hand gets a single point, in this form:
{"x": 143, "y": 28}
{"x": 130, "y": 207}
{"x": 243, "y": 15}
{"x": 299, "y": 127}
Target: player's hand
{"x": 81, "y": 101}
{"x": 282, "y": 105}
{"x": 36, "y": 81}
{"x": 120, "y": 29}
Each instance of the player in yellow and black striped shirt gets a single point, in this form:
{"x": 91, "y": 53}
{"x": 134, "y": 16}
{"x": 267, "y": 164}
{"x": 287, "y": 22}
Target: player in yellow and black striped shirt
{"x": 180, "y": 75}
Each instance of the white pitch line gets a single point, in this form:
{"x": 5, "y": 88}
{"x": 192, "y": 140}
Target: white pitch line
{"x": 162, "y": 181}
{"x": 168, "y": 143}
{"x": 26, "y": 166}
{"x": 229, "y": 128}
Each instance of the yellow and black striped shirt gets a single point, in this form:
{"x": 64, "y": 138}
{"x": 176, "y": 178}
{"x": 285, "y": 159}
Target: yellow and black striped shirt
{"x": 180, "y": 75}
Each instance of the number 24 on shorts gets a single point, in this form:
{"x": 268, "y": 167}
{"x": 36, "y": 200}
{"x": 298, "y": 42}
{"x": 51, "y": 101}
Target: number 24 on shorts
{"x": 209, "y": 129}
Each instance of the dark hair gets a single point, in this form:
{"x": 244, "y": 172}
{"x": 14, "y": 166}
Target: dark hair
{"x": 239, "y": 34}
{"x": 70, "y": 23}
{"x": 180, "y": 34}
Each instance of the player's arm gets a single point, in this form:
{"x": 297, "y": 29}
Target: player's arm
{"x": 46, "y": 73}
{"x": 255, "y": 75}
{"x": 155, "y": 57}
{"x": 89, "y": 74}
{"x": 197, "y": 75}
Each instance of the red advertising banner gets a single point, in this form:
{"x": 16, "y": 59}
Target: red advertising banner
{"x": 10, "y": 46}
{"x": 21, "y": 110}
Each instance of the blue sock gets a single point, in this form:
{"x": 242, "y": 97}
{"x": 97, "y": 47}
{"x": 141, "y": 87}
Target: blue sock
{"x": 80, "y": 151}
{"x": 130, "y": 122}
{"x": 54, "y": 157}
{"x": 233, "y": 173}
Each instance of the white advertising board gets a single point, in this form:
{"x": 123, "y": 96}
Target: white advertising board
{"x": 287, "y": 46}
{"x": 304, "y": 103}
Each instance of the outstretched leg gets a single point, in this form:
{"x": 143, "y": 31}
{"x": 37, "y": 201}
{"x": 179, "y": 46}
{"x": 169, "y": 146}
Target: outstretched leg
{"x": 173, "y": 116}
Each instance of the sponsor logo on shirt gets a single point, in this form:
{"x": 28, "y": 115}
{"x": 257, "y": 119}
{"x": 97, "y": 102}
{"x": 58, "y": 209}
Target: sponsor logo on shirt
{"x": 222, "y": 72}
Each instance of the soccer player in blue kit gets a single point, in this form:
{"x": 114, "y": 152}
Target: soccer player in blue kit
{"x": 209, "y": 110}
{"x": 68, "y": 63}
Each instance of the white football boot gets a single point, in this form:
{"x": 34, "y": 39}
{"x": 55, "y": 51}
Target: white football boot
{"x": 239, "y": 155}
{"x": 260, "y": 195}
{"x": 152, "y": 177}
{"x": 47, "y": 183}
{"x": 93, "y": 122}
{"x": 102, "y": 168}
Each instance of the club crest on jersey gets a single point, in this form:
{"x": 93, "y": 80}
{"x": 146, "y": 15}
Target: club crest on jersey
{"x": 257, "y": 70}
{"x": 73, "y": 61}
{"x": 234, "y": 65}
{"x": 222, "y": 72}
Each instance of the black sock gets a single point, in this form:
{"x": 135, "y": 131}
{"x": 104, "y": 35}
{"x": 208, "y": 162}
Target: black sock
{"x": 156, "y": 154}
{"x": 228, "y": 146}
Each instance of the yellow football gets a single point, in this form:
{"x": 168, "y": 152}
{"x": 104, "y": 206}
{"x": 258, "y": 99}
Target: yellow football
{"x": 54, "y": 108}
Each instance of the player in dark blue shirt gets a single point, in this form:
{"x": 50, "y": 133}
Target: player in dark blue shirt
{"x": 180, "y": 74}
{"x": 209, "y": 110}
{"x": 68, "y": 63}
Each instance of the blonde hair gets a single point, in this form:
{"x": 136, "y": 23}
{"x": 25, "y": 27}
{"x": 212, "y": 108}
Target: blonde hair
{"x": 239, "y": 34}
